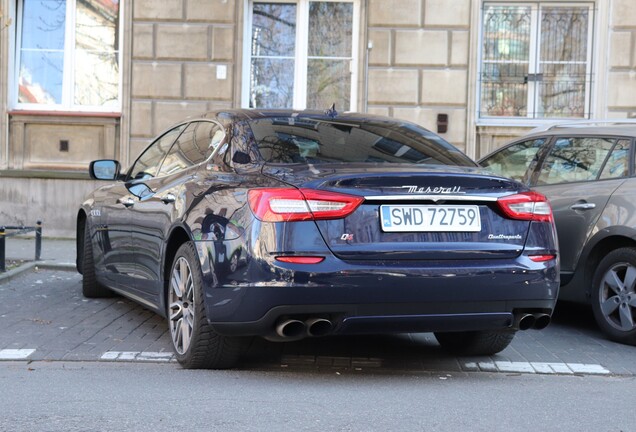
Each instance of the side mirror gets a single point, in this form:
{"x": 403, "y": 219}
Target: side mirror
{"x": 105, "y": 169}
{"x": 241, "y": 158}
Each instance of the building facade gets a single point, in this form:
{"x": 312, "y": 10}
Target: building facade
{"x": 89, "y": 79}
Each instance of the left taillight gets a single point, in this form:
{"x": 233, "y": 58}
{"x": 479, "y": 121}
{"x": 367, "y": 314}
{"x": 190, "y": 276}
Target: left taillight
{"x": 287, "y": 204}
{"x": 530, "y": 206}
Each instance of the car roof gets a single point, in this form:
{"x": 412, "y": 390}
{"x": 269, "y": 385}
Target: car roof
{"x": 614, "y": 130}
{"x": 240, "y": 114}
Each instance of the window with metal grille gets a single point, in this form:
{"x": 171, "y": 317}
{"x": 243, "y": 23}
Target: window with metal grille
{"x": 536, "y": 60}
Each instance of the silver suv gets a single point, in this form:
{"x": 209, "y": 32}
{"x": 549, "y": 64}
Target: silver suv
{"x": 587, "y": 173}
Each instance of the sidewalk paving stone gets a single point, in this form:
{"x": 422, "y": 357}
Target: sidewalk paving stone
{"x": 46, "y": 312}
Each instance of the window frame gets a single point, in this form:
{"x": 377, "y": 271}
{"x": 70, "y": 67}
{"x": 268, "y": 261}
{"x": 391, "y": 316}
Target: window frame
{"x": 534, "y": 163}
{"x": 161, "y": 173}
{"x": 534, "y": 180}
{"x": 302, "y": 52}
{"x": 534, "y": 62}
{"x": 67, "y": 105}
{"x": 185, "y": 125}
{"x": 155, "y": 141}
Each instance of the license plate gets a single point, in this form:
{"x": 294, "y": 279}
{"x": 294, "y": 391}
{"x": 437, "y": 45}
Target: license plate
{"x": 434, "y": 218}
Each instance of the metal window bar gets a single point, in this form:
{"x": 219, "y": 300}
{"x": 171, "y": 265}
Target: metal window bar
{"x": 18, "y": 230}
{"x": 519, "y": 79}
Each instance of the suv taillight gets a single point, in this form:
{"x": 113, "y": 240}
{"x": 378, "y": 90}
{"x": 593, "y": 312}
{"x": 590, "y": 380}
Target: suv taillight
{"x": 530, "y": 206}
{"x": 287, "y": 204}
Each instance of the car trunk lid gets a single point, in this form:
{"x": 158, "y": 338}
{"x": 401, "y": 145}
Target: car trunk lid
{"x": 414, "y": 213}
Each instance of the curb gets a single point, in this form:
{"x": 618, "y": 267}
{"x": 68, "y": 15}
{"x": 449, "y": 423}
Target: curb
{"x": 31, "y": 266}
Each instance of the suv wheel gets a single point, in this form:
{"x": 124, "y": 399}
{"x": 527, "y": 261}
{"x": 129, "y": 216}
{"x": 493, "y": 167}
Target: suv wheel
{"x": 614, "y": 295}
{"x": 196, "y": 344}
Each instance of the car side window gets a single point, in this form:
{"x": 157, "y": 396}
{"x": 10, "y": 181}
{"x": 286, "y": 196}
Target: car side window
{"x": 194, "y": 145}
{"x": 575, "y": 159}
{"x": 617, "y": 164}
{"x": 147, "y": 165}
{"x": 515, "y": 161}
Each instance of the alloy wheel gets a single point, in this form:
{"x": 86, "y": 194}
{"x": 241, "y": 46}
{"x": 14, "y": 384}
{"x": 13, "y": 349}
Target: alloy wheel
{"x": 234, "y": 262}
{"x": 182, "y": 307}
{"x": 617, "y": 296}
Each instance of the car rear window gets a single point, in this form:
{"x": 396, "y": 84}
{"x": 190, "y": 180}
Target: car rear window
{"x": 292, "y": 140}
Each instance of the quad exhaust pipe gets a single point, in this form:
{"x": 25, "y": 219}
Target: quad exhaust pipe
{"x": 290, "y": 328}
{"x": 541, "y": 321}
{"x": 296, "y": 329}
{"x": 318, "y": 326}
{"x": 537, "y": 321}
{"x": 525, "y": 321}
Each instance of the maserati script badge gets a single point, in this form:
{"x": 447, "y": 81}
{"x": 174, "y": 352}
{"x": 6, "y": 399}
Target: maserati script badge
{"x": 433, "y": 190}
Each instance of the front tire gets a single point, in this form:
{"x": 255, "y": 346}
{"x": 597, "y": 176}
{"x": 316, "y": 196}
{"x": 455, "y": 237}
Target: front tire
{"x": 476, "y": 343}
{"x": 614, "y": 295}
{"x": 196, "y": 344}
{"x": 91, "y": 288}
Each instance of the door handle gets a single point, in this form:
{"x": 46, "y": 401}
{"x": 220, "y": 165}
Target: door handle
{"x": 168, "y": 198}
{"x": 127, "y": 202}
{"x": 583, "y": 206}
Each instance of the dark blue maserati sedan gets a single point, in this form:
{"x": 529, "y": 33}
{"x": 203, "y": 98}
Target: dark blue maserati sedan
{"x": 293, "y": 224}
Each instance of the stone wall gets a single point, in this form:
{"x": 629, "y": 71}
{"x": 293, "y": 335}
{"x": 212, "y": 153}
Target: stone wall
{"x": 54, "y": 201}
{"x": 183, "y": 61}
{"x": 418, "y": 62}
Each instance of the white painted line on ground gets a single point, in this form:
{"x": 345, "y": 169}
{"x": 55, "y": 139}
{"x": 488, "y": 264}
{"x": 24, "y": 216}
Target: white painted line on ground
{"x": 155, "y": 356}
{"x": 146, "y": 356}
{"x": 542, "y": 368}
{"x": 487, "y": 366}
{"x": 561, "y": 368}
{"x": 521, "y": 367}
{"x": 588, "y": 369}
{"x": 536, "y": 367}
{"x": 15, "y": 354}
{"x": 110, "y": 355}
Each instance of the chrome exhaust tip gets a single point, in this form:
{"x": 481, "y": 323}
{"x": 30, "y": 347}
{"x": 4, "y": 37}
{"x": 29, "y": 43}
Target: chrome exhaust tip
{"x": 318, "y": 326}
{"x": 290, "y": 328}
{"x": 525, "y": 321}
{"x": 541, "y": 321}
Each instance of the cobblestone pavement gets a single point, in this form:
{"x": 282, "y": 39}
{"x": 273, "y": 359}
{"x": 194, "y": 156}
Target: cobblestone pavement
{"x": 45, "y": 317}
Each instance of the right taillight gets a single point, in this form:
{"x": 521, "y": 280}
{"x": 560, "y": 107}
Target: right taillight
{"x": 530, "y": 206}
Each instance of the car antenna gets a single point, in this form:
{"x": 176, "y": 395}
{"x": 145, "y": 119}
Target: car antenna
{"x": 331, "y": 112}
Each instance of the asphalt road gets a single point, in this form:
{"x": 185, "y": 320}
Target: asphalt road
{"x": 89, "y": 396}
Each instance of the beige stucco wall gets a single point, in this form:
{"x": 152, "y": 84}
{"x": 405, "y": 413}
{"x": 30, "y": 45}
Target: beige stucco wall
{"x": 418, "y": 62}
{"x": 417, "y": 59}
{"x": 179, "y": 51}
{"x": 55, "y": 202}
{"x": 5, "y": 28}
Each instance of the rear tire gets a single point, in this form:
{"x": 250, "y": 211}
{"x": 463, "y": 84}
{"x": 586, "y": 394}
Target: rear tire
{"x": 614, "y": 295}
{"x": 196, "y": 344}
{"x": 477, "y": 343}
{"x": 233, "y": 264}
{"x": 90, "y": 287}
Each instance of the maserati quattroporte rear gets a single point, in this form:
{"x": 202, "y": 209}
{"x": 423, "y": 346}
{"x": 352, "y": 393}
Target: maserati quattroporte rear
{"x": 287, "y": 225}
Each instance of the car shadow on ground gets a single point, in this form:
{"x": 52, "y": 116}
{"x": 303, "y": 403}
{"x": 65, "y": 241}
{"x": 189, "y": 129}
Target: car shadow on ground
{"x": 403, "y": 351}
{"x": 574, "y": 315}
{"x": 398, "y": 351}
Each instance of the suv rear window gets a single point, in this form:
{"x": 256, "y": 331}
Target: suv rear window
{"x": 290, "y": 140}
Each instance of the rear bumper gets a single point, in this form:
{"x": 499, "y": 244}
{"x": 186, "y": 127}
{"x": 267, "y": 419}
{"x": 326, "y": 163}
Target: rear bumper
{"x": 373, "y": 297}
{"x": 347, "y": 324}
